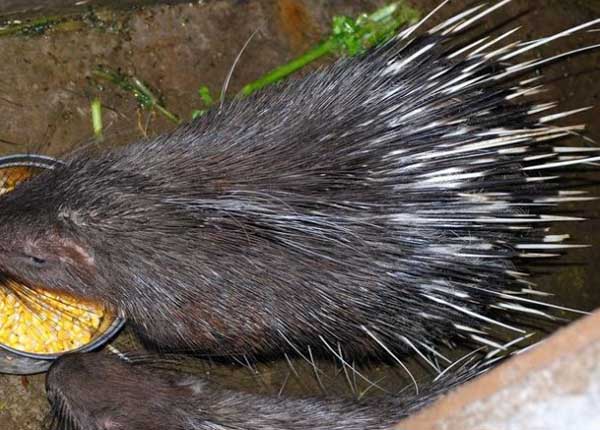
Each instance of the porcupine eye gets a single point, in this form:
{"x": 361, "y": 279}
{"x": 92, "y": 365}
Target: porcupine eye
{"x": 34, "y": 255}
{"x": 35, "y": 261}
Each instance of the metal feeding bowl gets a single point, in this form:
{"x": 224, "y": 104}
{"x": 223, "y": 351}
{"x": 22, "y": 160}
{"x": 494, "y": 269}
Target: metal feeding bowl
{"x": 14, "y": 169}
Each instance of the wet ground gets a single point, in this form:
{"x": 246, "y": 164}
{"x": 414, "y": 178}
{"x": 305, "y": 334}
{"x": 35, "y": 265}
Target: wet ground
{"x": 46, "y": 89}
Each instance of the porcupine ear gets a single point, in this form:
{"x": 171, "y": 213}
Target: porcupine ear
{"x": 73, "y": 252}
{"x": 70, "y": 250}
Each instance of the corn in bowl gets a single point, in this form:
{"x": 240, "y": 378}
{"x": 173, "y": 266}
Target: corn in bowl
{"x": 40, "y": 322}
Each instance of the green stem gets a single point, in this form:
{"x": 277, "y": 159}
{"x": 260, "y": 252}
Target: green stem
{"x": 141, "y": 92}
{"x": 287, "y": 69}
{"x": 349, "y": 36}
{"x": 155, "y": 102}
{"x": 97, "y": 118}
{"x": 167, "y": 114}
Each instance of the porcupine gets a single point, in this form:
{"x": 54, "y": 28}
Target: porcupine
{"x": 100, "y": 391}
{"x": 373, "y": 207}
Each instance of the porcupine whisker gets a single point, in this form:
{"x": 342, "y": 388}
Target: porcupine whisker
{"x": 359, "y": 374}
{"x": 238, "y": 361}
{"x": 31, "y": 298}
{"x": 394, "y": 356}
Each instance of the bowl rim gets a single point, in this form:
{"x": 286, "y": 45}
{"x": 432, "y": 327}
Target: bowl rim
{"x": 29, "y": 160}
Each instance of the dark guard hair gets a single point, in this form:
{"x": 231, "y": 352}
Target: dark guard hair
{"x": 377, "y": 206}
{"x": 98, "y": 391}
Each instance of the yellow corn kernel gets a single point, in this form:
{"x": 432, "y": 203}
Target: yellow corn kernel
{"x": 11, "y": 176}
{"x": 49, "y": 324}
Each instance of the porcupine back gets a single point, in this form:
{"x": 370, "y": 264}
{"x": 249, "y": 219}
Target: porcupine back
{"x": 375, "y": 206}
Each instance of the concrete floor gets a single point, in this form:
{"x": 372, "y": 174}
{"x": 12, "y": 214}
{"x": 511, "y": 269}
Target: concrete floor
{"x": 45, "y": 93}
